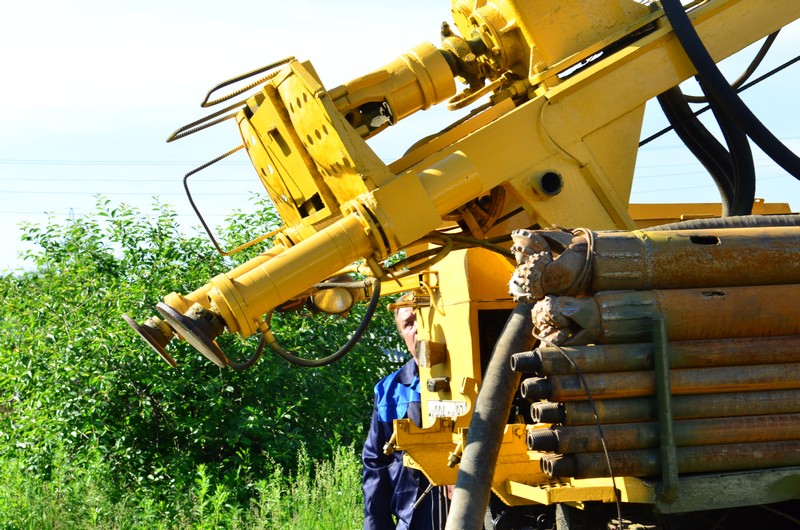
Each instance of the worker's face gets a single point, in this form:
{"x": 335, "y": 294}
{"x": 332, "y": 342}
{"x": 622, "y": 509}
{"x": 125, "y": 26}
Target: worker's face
{"x": 406, "y": 321}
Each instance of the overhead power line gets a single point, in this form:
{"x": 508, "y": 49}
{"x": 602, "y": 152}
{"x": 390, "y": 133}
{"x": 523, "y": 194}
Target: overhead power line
{"x": 41, "y": 162}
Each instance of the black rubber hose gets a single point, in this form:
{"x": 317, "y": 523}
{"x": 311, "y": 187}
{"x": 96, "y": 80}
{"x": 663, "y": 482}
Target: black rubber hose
{"x": 341, "y": 352}
{"x": 744, "y": 221}
{"x": 702, "y": 144}
{"x": 750, "y": 70}
{"x": 719, "y": 89}
{"x": 744, "y": 169}
{"x": 241, "y": 367}
{"x": 492, "y": 407}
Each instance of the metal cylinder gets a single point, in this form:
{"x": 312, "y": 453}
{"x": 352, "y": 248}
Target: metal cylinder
{"x": 683, "y": 407}
{"x": 705, "y": 313}
{"x": 417, "y": 80}
{"x": 543, "y": 440}
{"x": 701, "y": 459}
{"x": 526, "y": 362}
{"x": 535, "y": 387}
{"x": 683, "y": 381}
{"x": 549, "y": 412}
{"x": 549, "y": 360}
{"x": 626, "y": 436}
{"x": 643, "y": 259}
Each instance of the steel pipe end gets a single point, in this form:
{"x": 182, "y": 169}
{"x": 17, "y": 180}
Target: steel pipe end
{"x": 535, "y": 388}
{"x": 542, "y": 440}
{"x": 558, "y": 465}
{"x": 548, "y": 412}
{"x": 527, "y": 362}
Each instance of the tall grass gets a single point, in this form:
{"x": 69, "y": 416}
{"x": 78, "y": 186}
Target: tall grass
{"x": 320, "y": 495}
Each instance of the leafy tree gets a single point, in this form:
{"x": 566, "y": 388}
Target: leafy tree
{"x": 74, "y": 376}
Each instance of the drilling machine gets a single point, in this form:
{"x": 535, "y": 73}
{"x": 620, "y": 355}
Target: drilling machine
{"x": 603, "y": 376}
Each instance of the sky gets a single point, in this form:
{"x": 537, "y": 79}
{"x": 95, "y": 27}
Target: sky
{"x": 91, "y": 89}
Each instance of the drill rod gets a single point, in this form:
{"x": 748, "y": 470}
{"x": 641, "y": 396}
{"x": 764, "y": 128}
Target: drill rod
{"x": 612, "y": 385}
{"x": 700, "y": 459}
{"x": 610, "y": 411}
{"x": 626, "y": 436}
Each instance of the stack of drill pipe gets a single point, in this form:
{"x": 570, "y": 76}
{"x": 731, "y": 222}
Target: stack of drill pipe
{"x": 723, "y": 406}
{"x": 727, "y": 297}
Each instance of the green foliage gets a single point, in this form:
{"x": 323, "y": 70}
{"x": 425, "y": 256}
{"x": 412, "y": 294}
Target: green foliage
{"x": 76, "y": 380}
{"x": 320, "y": 495}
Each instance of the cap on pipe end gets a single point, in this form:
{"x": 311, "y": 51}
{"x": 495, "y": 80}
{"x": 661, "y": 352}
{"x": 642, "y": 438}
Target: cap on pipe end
{"x": 558, "y": 465}
{"x": 542, "y": 440}
{"x": 548, "y": 412}
{"x": 536, "y": 388}
{"x": 526, "y": 362}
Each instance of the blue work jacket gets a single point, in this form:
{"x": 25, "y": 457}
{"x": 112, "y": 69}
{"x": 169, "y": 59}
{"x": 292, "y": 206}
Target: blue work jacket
{"x": 391, "y": 489}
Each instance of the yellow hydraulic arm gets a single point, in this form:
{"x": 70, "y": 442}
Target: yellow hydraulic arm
{"x": 559, "y": 90}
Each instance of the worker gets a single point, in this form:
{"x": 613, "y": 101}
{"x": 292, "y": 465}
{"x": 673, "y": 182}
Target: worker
{"x": 391, "y": 490}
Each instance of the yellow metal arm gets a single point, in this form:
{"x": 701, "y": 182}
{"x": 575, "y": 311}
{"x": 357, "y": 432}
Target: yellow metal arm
{"x": 554, "y": 144}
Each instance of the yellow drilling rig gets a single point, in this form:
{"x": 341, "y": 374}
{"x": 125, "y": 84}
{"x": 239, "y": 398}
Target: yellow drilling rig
{"x": 585, "y": 362}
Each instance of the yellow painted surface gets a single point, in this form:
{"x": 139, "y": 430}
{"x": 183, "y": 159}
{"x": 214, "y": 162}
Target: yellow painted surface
{"x": 340, "y": 203}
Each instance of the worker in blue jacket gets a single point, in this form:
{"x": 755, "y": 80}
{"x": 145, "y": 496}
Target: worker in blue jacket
{"x": 393, "y": 492}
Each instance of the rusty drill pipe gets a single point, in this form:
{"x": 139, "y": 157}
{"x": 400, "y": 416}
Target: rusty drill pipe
{"x": 557, "y": 262}
{"x": 549, "y": 360}
{"x": 611, "y": 411}
{"x": 612, "y": 385}
{"x": 701, "y": 459}
{"x": 694, "y": 314}
{"x": 627, "y": 436}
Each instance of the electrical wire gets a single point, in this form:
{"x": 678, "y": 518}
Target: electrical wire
{"x": 241, "y": 367}
{"x": 341, "y": 352}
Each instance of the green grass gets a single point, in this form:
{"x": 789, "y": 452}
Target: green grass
{"x": 320, "y": 495}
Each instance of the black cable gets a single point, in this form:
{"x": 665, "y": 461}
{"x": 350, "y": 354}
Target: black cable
{"x": 744, "y": 169}
{"x": 742, "y": 79}
{"x": 744, "y": 87}
{"x": 726, "y": 96}
{"x": 344, "y": 350}
{"x": 241, "y": 367}
{"x": 700, "y": 142}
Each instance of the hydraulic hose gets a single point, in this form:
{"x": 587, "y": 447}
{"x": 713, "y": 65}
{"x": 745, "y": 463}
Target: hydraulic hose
{"x": 702, "y": 144}
{"x": 744, "y": 169}
{"x": 500, "y": 383}
{"x": 341, "y": 352}
{"x": 726, "y": 96}
{"x": 743, "y": 221}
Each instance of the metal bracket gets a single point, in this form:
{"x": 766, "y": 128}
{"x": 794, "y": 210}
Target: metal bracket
{"x": 668, "y": 490}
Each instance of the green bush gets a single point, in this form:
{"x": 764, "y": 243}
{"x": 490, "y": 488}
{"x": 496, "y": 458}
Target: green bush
{"x": 322, "y": 494}
{"x": 76, "y": 379}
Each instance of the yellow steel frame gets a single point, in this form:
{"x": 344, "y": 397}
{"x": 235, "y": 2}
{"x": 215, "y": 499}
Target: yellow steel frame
{"x": 341, "y": 203}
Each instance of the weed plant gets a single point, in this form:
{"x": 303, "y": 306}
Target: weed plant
{"x": 324, "y": 494}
